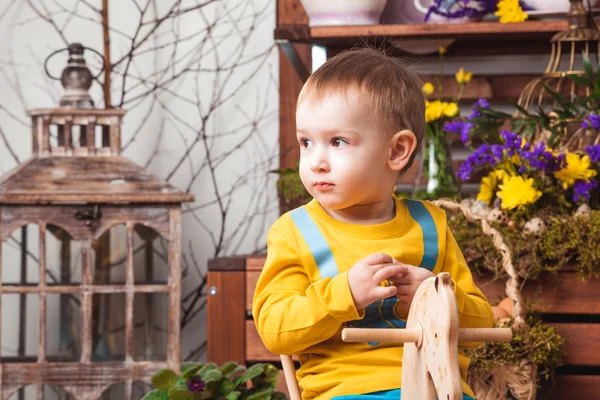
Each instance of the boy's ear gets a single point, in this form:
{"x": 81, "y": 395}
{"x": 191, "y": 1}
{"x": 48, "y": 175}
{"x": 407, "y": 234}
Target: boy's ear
{"x": 403, "y": 145}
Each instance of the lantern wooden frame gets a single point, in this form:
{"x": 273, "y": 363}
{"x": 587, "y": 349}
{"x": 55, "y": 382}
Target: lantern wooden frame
{"x": 85, "y": 188}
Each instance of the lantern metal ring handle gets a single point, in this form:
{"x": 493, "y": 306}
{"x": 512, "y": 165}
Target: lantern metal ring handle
{"x": 67, "y": 48}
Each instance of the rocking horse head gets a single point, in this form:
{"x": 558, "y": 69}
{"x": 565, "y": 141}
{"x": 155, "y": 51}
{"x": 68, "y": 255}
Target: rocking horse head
{"x": 430, "y": 367}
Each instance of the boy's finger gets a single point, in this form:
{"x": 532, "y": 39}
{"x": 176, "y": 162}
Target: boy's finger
{"x": 385, "y": 292}
{"x": 378, "y": 258}
{"x": 403, "y": 270}
{"x": 386, "y": 271}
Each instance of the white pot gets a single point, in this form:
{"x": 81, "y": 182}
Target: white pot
{"x": 555, "y": 6}
{"x": 343, "y": 12}
{"x": 414, "y": 11}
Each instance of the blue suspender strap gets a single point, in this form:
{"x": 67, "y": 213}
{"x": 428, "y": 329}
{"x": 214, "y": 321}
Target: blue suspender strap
{"x": 316, "y": 243}
{"x": 419, "y": 213}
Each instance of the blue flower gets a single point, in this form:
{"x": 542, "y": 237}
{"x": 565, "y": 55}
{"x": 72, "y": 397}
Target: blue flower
{"x": 594, "y": 153}
{"x": 582, "y": 190}
{"x": 481, "y": 156}
{"x": 591, "y": 121}
{"x": 481, "y": 103}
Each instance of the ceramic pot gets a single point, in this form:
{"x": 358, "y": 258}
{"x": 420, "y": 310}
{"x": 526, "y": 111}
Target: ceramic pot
{"x": 343, "y": 12}
{"x": 413, "y": 12}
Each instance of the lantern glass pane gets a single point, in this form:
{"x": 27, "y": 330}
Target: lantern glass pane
{"x": 20, "y": 327}
{"x": 108, "y": 327}
{"x": 150, "y": 256}
{"x": 110, "y": 259}
{"x": 63, "y": 327}
{"x": 20, "y": 256}
{"x": 63, "y": 257}
{"x": 151, "y": 321}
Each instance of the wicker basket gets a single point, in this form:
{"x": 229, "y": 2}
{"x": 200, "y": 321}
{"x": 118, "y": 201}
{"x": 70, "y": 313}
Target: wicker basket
{"x": 512, "y": 381}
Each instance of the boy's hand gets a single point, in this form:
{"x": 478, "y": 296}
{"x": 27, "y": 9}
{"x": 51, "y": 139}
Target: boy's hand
{"x": 366, "y": 276}
{"x": 407, "y": 282}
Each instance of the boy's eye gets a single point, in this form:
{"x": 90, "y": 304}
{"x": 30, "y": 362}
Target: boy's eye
{"x": 338, "y": 142}
{"x": 306, "y": 143}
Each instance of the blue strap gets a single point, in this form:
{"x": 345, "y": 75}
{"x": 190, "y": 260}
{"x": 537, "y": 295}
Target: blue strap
{"x": 317, "y": 244}
{"x": 419, "y": 213}
{"x": 394, "y": 394}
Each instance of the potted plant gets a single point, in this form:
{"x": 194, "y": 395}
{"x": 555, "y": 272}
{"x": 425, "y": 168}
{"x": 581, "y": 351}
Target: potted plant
{"x": 229, "y": 381}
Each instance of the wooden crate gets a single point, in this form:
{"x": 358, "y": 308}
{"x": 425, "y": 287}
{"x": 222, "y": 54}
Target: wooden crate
{"x": 571, "y": 305}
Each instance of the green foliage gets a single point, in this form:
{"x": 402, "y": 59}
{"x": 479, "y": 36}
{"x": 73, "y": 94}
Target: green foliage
{"x": 290, "y": 187}
{"x": 229, "y": 381}
{"x": 568, "y": 240}
{"x": 533, "y": 341}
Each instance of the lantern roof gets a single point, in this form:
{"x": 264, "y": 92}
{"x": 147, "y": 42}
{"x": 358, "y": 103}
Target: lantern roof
{"x": 77, "y": 159}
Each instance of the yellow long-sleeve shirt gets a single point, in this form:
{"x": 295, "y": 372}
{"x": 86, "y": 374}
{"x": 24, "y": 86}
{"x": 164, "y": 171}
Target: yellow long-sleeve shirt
{"x": 302, "y": 299}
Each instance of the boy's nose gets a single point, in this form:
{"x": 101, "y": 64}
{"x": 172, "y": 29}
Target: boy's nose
{"x": 319, "y": 162}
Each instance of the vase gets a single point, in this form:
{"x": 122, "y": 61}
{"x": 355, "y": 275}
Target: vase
{"x": 343, "y": 12}
{"x": 437, "y": 165}
{"x": 414, "y": 11}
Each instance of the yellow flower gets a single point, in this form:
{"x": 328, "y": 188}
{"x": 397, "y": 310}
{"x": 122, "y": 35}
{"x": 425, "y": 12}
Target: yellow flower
{"x": 510, "y": 11}
{"x": 438, "y": 109}
{"x": 442, "y": 50}
{"x": 578, "y": 167}
{"x": 487, "y": 187}
{"x": 463, "y": 77}
{"x": 450, "y": 109}
{"x": 516, "y": 191}
{"x": 428, "y": 89}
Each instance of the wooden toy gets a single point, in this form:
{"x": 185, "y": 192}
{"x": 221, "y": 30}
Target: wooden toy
{"x": 430, "y": 362}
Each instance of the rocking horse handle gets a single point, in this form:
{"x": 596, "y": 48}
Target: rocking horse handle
{"x": 412, "y": 335}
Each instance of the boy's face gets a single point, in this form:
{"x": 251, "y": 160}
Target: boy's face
{"x": 344, "y": 152}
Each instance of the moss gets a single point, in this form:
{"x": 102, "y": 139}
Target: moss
{"x": 533, "y": 341}
{"x": 568, "y": 240}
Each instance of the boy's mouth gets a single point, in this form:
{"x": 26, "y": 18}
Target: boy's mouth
{"x": 323, "y": 185}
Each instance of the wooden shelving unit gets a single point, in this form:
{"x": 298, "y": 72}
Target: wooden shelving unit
{"x": 473, "y": 38}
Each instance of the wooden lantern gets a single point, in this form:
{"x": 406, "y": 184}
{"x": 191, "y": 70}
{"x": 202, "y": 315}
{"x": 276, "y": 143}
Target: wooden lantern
{"x": 95, "y": 292}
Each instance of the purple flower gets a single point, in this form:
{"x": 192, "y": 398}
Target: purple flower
{"x": 460, "y": 128}
{"x": 582, "y": 190}
{"x": 593, "y": 152}
{"x": 195, "y": 384}
{"x": 591, "y": 121}
{"x": 481, "y": 103}
{"x": 539, "y": 157}
{"x": 497, "y": 152}
{"x": 447, "y": 8}
{"x": 479, "y": 157}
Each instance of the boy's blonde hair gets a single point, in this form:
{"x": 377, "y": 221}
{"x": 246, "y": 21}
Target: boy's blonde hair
{"x": 393, "y": 90}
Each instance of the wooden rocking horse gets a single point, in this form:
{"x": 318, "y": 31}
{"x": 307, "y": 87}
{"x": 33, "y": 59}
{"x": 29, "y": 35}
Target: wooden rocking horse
{"x": 430, "y": 362}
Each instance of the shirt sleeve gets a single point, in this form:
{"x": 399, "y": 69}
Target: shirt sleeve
{"x": 291, "y": 313}
{"x": 473, "y": 308}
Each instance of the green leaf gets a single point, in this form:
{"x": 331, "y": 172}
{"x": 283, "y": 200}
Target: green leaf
{"x": 186, "y": 366}
{"x": 228, "y": 367}
{"x": 164, "y": 379}
{"x": 264, "y": 395}
{"x": 212, "y": 375}
{"x": 278, "y": 396}
{"x": 579, "y": 79}
{"x": 235, "y": 395}
{"x": 179, "y": 394}
{"x": 156, "y": 395}
{"x": 253, "y": 371}
{"x": 238, "y": 369}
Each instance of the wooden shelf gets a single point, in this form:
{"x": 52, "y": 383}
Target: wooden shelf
{"x": 470, "y": 38}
